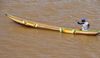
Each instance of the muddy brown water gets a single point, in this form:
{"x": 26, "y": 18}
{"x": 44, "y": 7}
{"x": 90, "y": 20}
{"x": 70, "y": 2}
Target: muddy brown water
{"x": 17, "y": 41}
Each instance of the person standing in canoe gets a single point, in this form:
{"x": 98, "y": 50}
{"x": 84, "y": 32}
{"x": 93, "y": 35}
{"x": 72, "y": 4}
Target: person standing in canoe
{"x": 85, "y": 25}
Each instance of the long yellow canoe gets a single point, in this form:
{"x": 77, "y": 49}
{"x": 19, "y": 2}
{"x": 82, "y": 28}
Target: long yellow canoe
{"x": 54, "y": 28}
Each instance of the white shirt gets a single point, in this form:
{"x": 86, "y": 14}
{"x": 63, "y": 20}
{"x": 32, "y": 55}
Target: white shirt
{"x": 85, "y": 26}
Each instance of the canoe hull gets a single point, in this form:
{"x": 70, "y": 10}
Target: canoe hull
{"x": 48, "y": 27}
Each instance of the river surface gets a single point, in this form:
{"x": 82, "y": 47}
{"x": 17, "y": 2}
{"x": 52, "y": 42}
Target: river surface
{"x": 17, "y": 41}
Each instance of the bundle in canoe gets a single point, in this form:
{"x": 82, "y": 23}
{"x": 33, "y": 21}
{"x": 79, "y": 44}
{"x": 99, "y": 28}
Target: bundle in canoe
{"x": 54, "y": 28}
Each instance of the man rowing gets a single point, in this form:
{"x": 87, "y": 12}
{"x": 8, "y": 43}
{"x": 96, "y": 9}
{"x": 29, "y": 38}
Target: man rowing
{"x": 85, "y": 25}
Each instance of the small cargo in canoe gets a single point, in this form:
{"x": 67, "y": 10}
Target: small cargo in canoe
{"x": 54, "y": 28}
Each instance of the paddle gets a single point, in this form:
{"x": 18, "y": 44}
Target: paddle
{"x": 76, "y": 20}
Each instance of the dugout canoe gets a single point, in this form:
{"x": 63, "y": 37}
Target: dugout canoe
{"x": 54, "y": 28}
